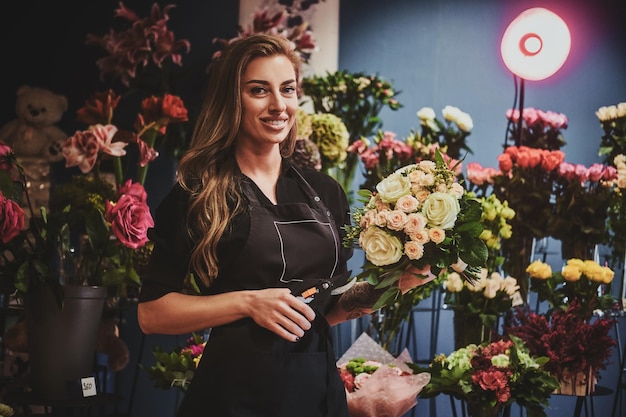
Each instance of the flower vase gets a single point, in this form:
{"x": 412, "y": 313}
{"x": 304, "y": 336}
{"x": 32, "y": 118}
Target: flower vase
{"x": 581, "y": 384}
{"x": 469, "y": 329}
{"x": 62, "y": 340}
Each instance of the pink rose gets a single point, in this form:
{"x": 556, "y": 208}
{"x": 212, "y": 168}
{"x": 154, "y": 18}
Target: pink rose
{"x": 11, "y": 219}
{"x": 135, "y": 190}
{"x": 532, "y": 116}
{"x": 532, "y": 157}
{"x": 596, "y": 171}
{"x": 551, "y": 160}
{"x": 567, "y": 170}
{"x": 582, "y": 173}
{"x": 610, "y": 173}
{"x": 512, "y": 115}
{"x": 5, "y": 152}
{"x": 505, "y": 162}
{"x": 130, "y": 220}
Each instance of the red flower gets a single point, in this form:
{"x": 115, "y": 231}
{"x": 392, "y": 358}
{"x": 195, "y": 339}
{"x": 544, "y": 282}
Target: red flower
{"x": 491, "y": 380}
{"x": 11, "y": 219}
{"x": 99, "y": 108}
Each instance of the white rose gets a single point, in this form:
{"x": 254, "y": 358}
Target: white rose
{"x": 393, "y": 187}
{"x": 509, "y": 285}
{"x": 451, "y": 113}
{"x": 491, "y": 289}
{"x": 441, "y": 210}
{"x": 427, "y": 118}
{"x": 464, "y": 122}
{"x": 380, "y": 247}
{"x": 426, "y": 114}
{"x": 454, "y": 282}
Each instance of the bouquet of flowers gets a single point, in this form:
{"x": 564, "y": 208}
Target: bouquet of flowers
{"x": 377, "y": 384}
{"x": 418, "y": 216}
{"x": 576, "y": 346}
{"x": 177, "y": 368}
{"x": 491, "y": 376}
{"x": 579, "y": 280}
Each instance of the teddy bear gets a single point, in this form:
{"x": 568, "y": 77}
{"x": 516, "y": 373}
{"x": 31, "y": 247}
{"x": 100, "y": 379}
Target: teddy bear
{"x": 34, "y": 134}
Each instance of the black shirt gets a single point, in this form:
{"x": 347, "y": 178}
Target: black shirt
{"x": 169, "y": 263}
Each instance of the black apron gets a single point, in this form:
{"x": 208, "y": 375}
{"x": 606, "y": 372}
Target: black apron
{"x": 248, "y": 371}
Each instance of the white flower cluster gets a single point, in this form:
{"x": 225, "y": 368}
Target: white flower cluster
{"x": 606, "y": 113}
{"x": 412, "y": 207}
{"x": 450, "y": 113}
{"x": 488, "y": 285}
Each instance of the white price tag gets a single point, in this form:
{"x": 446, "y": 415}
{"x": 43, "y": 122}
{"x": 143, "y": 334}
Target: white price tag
{"x": 88, "y": 386}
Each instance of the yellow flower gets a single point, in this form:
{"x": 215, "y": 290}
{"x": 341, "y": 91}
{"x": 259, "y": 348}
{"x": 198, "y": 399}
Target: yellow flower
{"x": 571, "y": 273}
{"x": 539, "y": 270}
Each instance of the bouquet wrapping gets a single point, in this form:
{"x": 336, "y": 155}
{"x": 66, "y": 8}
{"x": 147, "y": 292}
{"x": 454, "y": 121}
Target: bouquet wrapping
{"x": 389, "y": 391}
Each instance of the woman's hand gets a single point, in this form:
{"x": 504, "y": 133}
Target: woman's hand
{"x": 414, "y": 277}
{"x": 277, "y": 310}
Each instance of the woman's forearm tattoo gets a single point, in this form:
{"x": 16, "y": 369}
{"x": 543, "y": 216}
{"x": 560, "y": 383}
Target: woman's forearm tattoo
{"x": 358, "y": 300}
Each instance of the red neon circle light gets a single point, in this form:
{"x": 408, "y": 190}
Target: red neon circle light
{"x": 536, "y": 44}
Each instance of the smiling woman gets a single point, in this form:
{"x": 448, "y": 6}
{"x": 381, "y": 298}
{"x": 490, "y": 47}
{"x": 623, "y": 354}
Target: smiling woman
{"x": 268, "y": 260}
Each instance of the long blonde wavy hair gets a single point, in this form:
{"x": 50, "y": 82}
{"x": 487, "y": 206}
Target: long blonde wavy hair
{"x": 207, "y": 170}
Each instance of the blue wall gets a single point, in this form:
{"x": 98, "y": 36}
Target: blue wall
{"x": 447, "y": 52}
